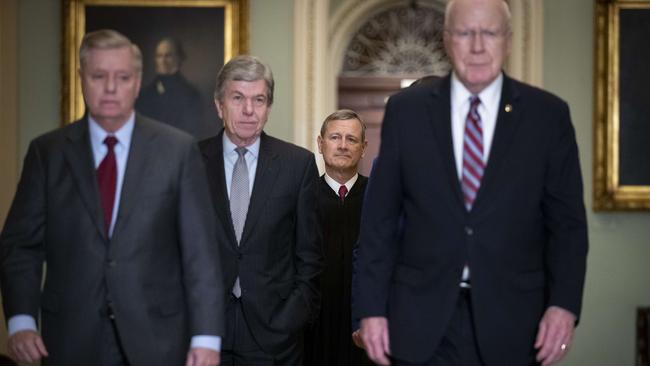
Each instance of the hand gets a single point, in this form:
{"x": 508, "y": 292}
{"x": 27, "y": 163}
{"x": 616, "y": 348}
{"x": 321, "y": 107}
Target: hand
{"x": 356, "y": 338}
{"x": 554, "y": 335}
{"x": 26, "y": 346}
{"x": 202, "y": 357}
{"x": 374, "y": 333}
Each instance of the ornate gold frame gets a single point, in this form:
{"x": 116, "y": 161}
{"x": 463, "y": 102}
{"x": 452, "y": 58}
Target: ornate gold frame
{"x": 608, "y": 193}
{"x": 236, "y": 33}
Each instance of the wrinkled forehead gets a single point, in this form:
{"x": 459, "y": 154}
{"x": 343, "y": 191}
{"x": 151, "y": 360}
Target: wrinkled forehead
{"x": 347, "y": 126}
{"x": 477, "y": 14}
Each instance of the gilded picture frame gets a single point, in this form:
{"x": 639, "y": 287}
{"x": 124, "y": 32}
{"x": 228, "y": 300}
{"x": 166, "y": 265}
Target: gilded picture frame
{"x": 621, "y": 111}
{"x": 213, "y": 31}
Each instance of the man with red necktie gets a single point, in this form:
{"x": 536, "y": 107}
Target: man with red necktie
{"x": 115, "y": 205}
{"x": 489, "y": 265}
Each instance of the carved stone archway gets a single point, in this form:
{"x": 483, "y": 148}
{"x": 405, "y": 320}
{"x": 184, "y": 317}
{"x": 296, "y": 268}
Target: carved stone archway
{"x": 321, "y": 38}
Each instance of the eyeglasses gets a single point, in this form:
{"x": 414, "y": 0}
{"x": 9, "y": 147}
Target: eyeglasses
{"x": 487, "y": 35}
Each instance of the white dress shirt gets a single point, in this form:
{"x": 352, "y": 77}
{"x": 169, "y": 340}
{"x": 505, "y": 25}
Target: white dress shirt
{"x": 488, "y": 110}
{"x": 336, "y": 185}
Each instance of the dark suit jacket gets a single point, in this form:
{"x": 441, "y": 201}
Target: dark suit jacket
{"x": 525, "y": 239}
{"x": 280, "y": 254}
{"x": 159, "y": 269}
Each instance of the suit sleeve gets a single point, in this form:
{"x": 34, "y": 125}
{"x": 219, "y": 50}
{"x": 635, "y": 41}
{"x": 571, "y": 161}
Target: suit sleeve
{"x": 309, "y": 251}
{"x": 22, "y": 250}
{"x": 378, "y": 244}
{"x": 200, "y": 254}
{"x": 564, "y": 217}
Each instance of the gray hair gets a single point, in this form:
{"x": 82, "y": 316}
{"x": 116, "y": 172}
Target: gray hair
{"x": 505, "y": 10}
{"x": 343, "y": 115}
{"x": 244, "y": 68}
{"x": 108, "y": 39}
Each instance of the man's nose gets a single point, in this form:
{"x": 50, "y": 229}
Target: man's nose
{"x": 477, "y": 40}
{"x": 248, "y": 106}
{"x": 110, "y": 84}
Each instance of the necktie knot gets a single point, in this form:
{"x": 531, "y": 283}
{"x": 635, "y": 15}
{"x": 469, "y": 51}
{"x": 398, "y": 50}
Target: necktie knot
{"x": 241, "y": 151}
{"x": 110, "y": 142}
{"x": 474, "y": 101}
{"x": 343, "y": 190}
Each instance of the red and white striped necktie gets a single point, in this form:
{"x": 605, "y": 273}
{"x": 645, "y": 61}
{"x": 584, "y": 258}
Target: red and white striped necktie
{"x": 473, "y": 164}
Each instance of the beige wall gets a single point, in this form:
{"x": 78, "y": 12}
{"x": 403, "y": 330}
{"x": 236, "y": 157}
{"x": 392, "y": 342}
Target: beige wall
{"x": 618, "y": 271}
{"x": 272, "y": 40}
{"x": 8, "y": 115}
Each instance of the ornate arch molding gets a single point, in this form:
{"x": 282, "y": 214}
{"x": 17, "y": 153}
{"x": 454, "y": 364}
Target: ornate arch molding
{"x": 320, "y": 41}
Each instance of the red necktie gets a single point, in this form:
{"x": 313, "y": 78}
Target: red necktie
{"x": 343, "y": 190}
{"x": 473, "y": 164}
{"x": 107, "y": 181}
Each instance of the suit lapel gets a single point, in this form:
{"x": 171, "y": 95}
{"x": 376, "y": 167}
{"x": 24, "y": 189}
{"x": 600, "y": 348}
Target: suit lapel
{"x": 506, "y": 125}
{"x": 265, "y": 177}
{"x": 139, "y": 155}
{"x": 79, "y": 156}
{"x": 439, "y": 111}
{"x": 212, "y": 150}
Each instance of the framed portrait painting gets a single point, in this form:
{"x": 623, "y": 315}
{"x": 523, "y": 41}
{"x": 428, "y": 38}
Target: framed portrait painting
{"x": 622, "y": 111}
{"x": 184, "y": 43}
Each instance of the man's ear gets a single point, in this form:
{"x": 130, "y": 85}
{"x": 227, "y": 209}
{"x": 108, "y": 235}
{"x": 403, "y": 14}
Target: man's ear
{"x": 218, "y": 105}
{"x": 319, "y": 141}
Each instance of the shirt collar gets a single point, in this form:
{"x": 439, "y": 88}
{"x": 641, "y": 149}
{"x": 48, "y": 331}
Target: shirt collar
{"x": 489, "y": 96}
{"x": 336, "y": 185}
{"x": 229, "y": 147}
{"x": 123, "y": 135}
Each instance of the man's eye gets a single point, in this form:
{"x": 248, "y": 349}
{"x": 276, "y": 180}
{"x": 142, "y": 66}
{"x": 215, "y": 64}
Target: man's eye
{"x": 488, "y": 34}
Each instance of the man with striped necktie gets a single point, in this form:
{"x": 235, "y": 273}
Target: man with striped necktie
{"x": 489, "y": 268}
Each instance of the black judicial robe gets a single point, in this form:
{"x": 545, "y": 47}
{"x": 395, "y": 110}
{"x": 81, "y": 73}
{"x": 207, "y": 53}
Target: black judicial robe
{"x": 329, "y": 340}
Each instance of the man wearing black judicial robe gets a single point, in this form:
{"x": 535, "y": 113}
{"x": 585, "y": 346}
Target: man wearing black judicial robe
{"x": 342, "y": 143}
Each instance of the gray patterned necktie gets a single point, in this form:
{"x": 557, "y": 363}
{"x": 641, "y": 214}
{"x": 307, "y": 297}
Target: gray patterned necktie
{"x": 239, "y": 199}
{"x": 239, "y": 193}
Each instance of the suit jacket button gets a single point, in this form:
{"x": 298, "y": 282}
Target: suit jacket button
{"x": 469, "y": 231}
{"x": 239, "y": 256}
{"x": 112, "y": 263}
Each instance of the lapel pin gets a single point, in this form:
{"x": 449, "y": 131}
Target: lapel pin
{"x": 508, "y": 108}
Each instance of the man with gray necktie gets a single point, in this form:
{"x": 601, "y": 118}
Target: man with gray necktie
{"x": 264, "y": 191}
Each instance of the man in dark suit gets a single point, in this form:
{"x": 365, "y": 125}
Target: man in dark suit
{"x": 264, "y": 191}
{"x": 114, "y": 204}
{"x": 490, "y": 266}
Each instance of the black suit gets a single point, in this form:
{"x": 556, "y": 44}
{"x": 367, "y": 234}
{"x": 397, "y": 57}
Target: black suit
{"x": 157, "y": 269}
{"x": 525, "y": 239}
{"x": 280, "y": 256}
